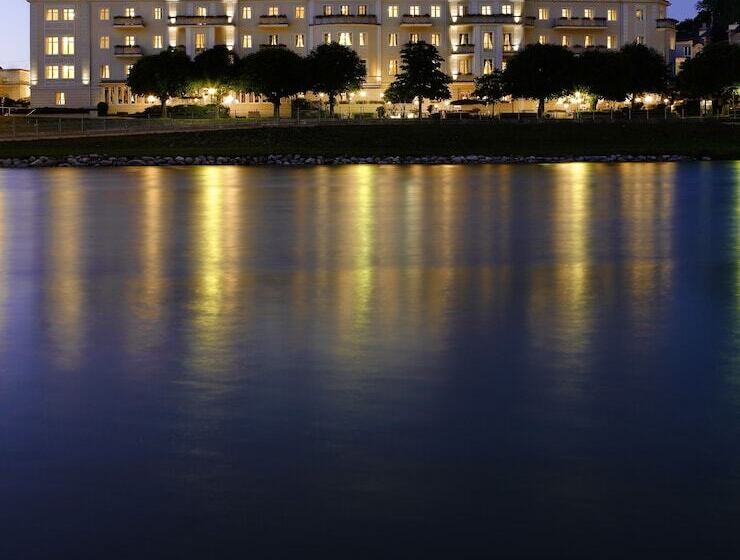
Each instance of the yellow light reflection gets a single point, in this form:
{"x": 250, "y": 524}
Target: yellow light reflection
{"x": 3, "y": 263}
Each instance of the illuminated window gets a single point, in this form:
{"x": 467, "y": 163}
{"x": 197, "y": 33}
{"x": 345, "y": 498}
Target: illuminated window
{"x": 104, "y": 42}
{"x": 610, "y": 42}
{"x": 52, "y": 72}
{"x": 200, "y": 41}
{"x": 611, "y": 14}
{"x": 506, "y": 9}
{"x": 639, "y": 14}
{"x": 157, "y": 13}
{"x": 542, "y": 40}
{"x": 413, "y": 38}
{"x": 300, "y": 12}
{"x": 273, "y": 11}
{"x": 543, "y": 14}
{"x": 68, "y": 14}
{"x": 463, "y": 39}
{"x": 565, "y": 13}
{"x": 327, "y": 10}
{"x": 246, "y": 41}
{"x": 344, "y": 10}
{"x": 247, "y": 12}
{"x": 68, "y": 72}
{"x": 460, "y": 11}
{"x": 414, "y": 10}
{"x": 345, "y": 39}
{"x": 503, "y": 65}
{"x": 587, "y": 41}
{"x": 486, "y": 10}
{"x": 640, "y": 40}
{"x": 392, "y": 67}
{"x": 129, "y": 40}
{"x": 300, "y": 41}
{"x": 60, "y": 98}
{"x": 157, "y": 42}
{"x": 129, "y": 12}
{"x": 487, "y": 66}
{"x": 327, "y": 38}
{"x": 127, "y": 69}
{"x": 362, "y": 10}
{"x": 564, "y": 41}
{"x": 274, "y": 40}
{"x": 392, "y": 11}
{"x": 52, "y": 14}
{"x": 362, "y": 39}
{"x": 435, "y": 39}
{"x": 201, "y": 11}
{"x": 68, "y": 45}
{"x": 463, "y": 66}
{"x": 393, "y": 39}
{"x": 104, "y": 14}
{"x": 588, "y": 13}
{"x": 436, "y": 11}
{"x": 488, "y": 40}
{"x": 104, "y": 72}
{"x": 52, "y": 45}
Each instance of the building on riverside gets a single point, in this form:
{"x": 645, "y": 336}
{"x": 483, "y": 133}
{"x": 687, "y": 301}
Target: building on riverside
{"x": 82, "y": 50}
{"x": 15, "y": 84}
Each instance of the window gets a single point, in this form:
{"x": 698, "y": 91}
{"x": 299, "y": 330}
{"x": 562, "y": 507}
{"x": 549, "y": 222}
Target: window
{"x": 565, "y": 13}
{"x": 640, "y": 40}
{"x": 246, "y": 41}
{"x": 610, "y": 42}
{"x": 611, "y": 14}
{"x": 157, "y": 42}
{"x": 344, "y": 10}
{"x": 104, "y": 42}
{"x": 435, "y": 39}
{"x": 300, "y": 12}
{"x": 413, "y": 38}
{"x": 52, "y": 14}
{"x": 487, "y": 66}
{"x": 157, "y": 13}
{"x": 463, "y": 67}
{"x": 392, "y": 11}
{"x": 68, "y": 45}
{"x": 200, "y": 41}
{"x": 564, "y": 41}
{"x": 52, "y": 72}
{"x": 345, "y": 39}
{"x": 274, "y": 40}
{"x": 503, "y": 65}
{"x": 588, "y": 41}
{"x": 460, "y": 12}
{"x": 300, "y": 41}
{"x": 392, "y": 67}
{"x": 201, "y": 11}
{"x": 488, "y": 40}
{"x": 362, "y": 10}
{"x": 52, "y": 45}
{"x": 104, "y": 14}
{"x": 327, "y": 10}
{"x": 393, "y": 39}
{"x": 129, "y": 12}
{"x": 68, "y": 72}
{"x": 327, "y": 38}
{"x": 543, "y": 14}
{"x": 436, "y": 11}
{"x": 104, "y": 72}
{"x": 639, "y": 14}
{"x": 127, "y": 69}
{"x": 463, "y": 39}
{"x": 247, "y": 12}
{"x": 68, "y": 14}
{"x": 542, "y": 40}
{"x": 506, "y": 9}
{"x": 414, "y": 10}
{"x": 59, "y": 98}
{"x": 129, "y": 40}
{"x": 507, "y": 41}
{"x": 588, "y": 13}
{"x": 362, "y": 39}
{"x": 273, "y": 11}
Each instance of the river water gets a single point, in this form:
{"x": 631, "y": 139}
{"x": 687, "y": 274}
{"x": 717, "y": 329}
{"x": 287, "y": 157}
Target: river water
{"x": 382, "y": 362}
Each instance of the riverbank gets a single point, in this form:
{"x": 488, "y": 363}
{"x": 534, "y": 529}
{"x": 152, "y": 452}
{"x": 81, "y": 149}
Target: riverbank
{"x": 427, "y": 142}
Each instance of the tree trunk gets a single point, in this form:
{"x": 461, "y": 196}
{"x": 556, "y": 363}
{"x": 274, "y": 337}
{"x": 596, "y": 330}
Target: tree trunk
{"x": 421, "y": 103}
{"x": 332, "y": 103}
{"x": 541, "y": 108}
{"x": 276, "y": 109}
{"x": 163, "y": 100}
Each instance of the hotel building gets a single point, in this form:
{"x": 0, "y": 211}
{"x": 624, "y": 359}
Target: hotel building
{"x": 82, "y": 50}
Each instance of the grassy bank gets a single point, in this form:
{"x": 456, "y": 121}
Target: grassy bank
{"x": 697, "y": 139}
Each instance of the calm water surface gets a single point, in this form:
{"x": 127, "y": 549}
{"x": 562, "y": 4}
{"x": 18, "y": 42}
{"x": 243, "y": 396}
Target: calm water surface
{"x": 532, "y": 361}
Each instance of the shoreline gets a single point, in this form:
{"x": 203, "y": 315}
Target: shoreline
{"x": 104, "y": 161}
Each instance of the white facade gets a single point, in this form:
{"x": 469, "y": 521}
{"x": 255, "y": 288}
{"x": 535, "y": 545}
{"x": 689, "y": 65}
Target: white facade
{"x": 80, "y": 50}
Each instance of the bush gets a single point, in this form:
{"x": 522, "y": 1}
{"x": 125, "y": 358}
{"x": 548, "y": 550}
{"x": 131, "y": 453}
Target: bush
{"x": 187, "y": 111}
{"x": 102, "y": 109}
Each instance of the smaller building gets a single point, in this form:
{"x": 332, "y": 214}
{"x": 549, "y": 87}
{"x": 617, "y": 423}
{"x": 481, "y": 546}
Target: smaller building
{"x": 15, "y": 83}
{"x": 733, "y": 33}
{"x": 688, "y": 45}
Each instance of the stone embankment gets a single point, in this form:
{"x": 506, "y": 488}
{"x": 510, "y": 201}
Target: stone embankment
{"x": 94, "y": 160}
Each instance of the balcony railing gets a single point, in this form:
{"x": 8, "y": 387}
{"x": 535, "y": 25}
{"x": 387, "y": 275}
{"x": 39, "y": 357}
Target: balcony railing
{"x": 463, "y": 49}
{"x": 580, "y": 23}
{"x": 666, "y": 23}
{"x": 127, "y": 50}
{"x": 278, "y": 46}
{"x": 346, "y": 20}
{"x": 472, "y": 19}
{"x": 416, "y": 21}
{"x": 200, "y": 20}
{"x": 578, "y": 49}
{"x": 274, "y": 21}
{"x": 128, "y": 21}
{"x": 464, "y": 78}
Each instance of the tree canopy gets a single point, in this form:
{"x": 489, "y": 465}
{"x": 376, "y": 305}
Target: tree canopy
{"x": 421, "y": 76}
{"x": 214, "y": 68}
{"x": 164, "y": 75}
{"x": 643, "y": 70}
{"x": 541, "y": 72}
{"x": 714, "y": 73}
{"x": 490, "y": 88}
{"x": 335, "y": 69}
{"x": 600, "y": 72}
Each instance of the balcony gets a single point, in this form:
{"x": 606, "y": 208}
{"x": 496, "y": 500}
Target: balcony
{"x": 128, "y": 22}
{"x": 666, "y": 23}
{"x": 463, "y": 49}
{"x": 274, "y": 21}
{"x": 346, "y": 20}
{"x": 474, "y": 19}
{"x": 464, "y": 78}
{"x": 127, "y": 50}
{"x": 278, "y": 46}
{"x": 416, "y": 21}
{"x": 579, "y": 49}
{"x": 199, "y": 21}
{"x": 580, "y": 23}
{"x": 509, "y": 50}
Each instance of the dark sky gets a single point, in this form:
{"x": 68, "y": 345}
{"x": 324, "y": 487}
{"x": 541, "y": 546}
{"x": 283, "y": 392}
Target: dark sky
{"x": 14, "y": 29}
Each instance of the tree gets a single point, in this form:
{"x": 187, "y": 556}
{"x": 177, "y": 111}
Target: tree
{"x": 713, "y": 73}
{"x": 490, "y": 88}
{"x": 643, "y": 70}
{"x": 272, "y": 72}
{"x": 420, "y": 75}
{"x": 164, "y": 75}
{"x": 335, "y": 69}
{"x": 720, "y": 14}
{"x": 600, "y": 73}
{"x": 540, "y": 72}
{"x": 214, "y": 69}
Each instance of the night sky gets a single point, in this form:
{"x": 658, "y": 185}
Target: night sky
{"x": 14, "y": 29}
